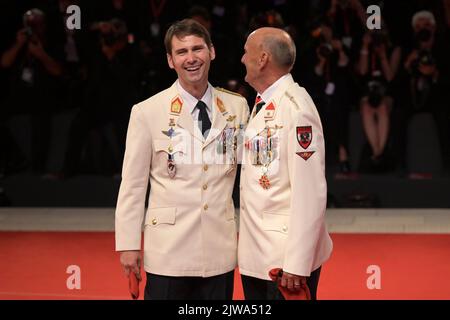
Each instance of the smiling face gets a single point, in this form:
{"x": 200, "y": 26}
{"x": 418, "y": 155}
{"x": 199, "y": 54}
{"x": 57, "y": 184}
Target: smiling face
{"x": 191, "y": 57}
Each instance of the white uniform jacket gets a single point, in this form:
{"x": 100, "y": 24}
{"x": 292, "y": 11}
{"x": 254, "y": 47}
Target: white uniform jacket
{"x": 283, "y": 196}
{"x": 189, "y": 226}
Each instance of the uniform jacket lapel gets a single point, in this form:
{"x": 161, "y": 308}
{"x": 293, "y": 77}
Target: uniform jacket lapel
{"x": 185, "y": 120}
{"x": 219, "y": 121}
{"x": 258, "y": 122}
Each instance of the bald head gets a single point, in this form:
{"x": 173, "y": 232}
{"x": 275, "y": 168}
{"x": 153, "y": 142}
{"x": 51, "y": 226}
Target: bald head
{"x": 278, "y": 43}
{"x": 269, "y": 54}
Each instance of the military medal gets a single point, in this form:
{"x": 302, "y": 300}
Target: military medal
{"x": 227, "y": 143}
{"x": 264, "y": 180}
{"x": 170, "y": 133}
{"x": 171, "y": 168}
{"x": 175, "y": 110}
{"x": 221, "y": 147}
{"x": 263, "y": 150}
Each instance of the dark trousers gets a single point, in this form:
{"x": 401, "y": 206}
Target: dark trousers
{"x": 218, "y": 287}
{"x": 258, "y": 289}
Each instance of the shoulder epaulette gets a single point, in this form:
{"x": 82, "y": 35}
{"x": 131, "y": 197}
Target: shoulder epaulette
{"x": 228, "y": 91}
{"x": 293, "y": 100}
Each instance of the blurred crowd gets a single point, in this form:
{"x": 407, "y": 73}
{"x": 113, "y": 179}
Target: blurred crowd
{"x": 117, "y": 58}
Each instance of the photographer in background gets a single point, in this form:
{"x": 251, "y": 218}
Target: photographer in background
{"x": 348, "y": 20}
{"x": 330, "y": 80}
{"x": 34, "y": 65}
{"x": 420, "y": 63}
{"x": 378, "y": 64}
{"x": 111, "y": 88}
{"x": 423, "y": 90}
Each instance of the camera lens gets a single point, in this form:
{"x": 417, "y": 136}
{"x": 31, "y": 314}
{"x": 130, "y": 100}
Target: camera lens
{"x": 423, "y": 35}
{"x": 376, "y": 91}
{"x": 325, "y": 50}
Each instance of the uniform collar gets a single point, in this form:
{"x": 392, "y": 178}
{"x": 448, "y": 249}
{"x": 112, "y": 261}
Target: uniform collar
{"x": 268, "y": 93}
{"x": 190, "y": 101}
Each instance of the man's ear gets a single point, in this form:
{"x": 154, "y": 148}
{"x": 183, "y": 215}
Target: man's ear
{"x": 212, "y": 53}
{"x": 170, "y": 61}
{"x": 263, "y": 59}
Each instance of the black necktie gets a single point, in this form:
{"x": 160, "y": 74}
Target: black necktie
{"x": 259, "y": 103}
{"x": 203, "y": 118}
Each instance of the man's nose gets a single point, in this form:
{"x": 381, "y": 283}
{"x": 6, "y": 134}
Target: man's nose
{"x": 191, "y": 57}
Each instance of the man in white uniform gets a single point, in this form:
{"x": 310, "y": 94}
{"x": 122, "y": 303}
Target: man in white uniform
{"x": 283, "y": 186}
{"x": 184, "y": 140}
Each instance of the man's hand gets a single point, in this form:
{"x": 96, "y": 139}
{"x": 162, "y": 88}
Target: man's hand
{"x": 131, "y": 262}
{"x": 36, "y": 49}
{"x": 108, "y": 51}
{"x": 381, "y": 51}
{"x": 291, "y": 281}
{"x": 427, "y": 70}
{"x": 21, "y": 37}
{"x": 336, "y": 44}
{"x": 367, "y": 39}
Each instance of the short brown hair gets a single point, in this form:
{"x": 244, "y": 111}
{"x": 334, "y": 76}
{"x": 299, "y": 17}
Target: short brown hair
{"x": 183, "y": 28}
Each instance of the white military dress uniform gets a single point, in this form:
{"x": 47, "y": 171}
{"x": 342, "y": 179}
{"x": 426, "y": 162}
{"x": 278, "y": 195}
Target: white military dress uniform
{"x": 283, "y": 187}
{"x": 189, "y": 226}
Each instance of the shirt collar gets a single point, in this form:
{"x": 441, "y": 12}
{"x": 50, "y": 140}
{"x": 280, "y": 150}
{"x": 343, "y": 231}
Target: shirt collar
{"x": 268, "y": 93}
{"x": 191, "y": 101}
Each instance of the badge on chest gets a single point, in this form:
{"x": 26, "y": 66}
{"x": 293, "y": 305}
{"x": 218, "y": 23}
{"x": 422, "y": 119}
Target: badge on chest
{"x": 263, "y": 149}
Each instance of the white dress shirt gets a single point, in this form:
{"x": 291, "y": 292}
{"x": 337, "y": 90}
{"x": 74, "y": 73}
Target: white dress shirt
{"x": 190, "y": 102}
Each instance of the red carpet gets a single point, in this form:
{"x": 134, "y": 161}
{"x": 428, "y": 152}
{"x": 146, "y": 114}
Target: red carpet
{"x": 33, "y": 266}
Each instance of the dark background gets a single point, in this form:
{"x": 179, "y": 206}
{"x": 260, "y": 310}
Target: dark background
{"x": 62, "y": 135}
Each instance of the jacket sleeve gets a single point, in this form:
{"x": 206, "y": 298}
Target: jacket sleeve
{"x": 308, "y": 188}
{"x": 133, "y": 188}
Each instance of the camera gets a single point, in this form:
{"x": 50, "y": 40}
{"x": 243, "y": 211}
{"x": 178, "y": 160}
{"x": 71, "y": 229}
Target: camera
{"x": 376, "y": 90}
{"x": 109, "y": 38}
{"x": 116, "y": 31}
{"x": 424, "y": 58}
{"x": 29, "y": 32}
{"x": 325, "y": 49}
{"x": 423, "y": 35}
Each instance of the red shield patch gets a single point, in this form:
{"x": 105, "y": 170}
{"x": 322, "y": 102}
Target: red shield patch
{"x": 304, "y": 136}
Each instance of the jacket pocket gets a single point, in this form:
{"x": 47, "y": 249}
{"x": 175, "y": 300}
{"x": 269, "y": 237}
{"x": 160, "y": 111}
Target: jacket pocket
{"x": 276, "y": 221}
{"x": 159, "y": 216}
{"x": 169, "y": 146}
{"x": 164, "y": 147}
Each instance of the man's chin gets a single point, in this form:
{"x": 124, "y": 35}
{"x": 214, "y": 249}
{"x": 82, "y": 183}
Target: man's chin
{"x": 247, "y": 79}
{"x": 195, "y": 80}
